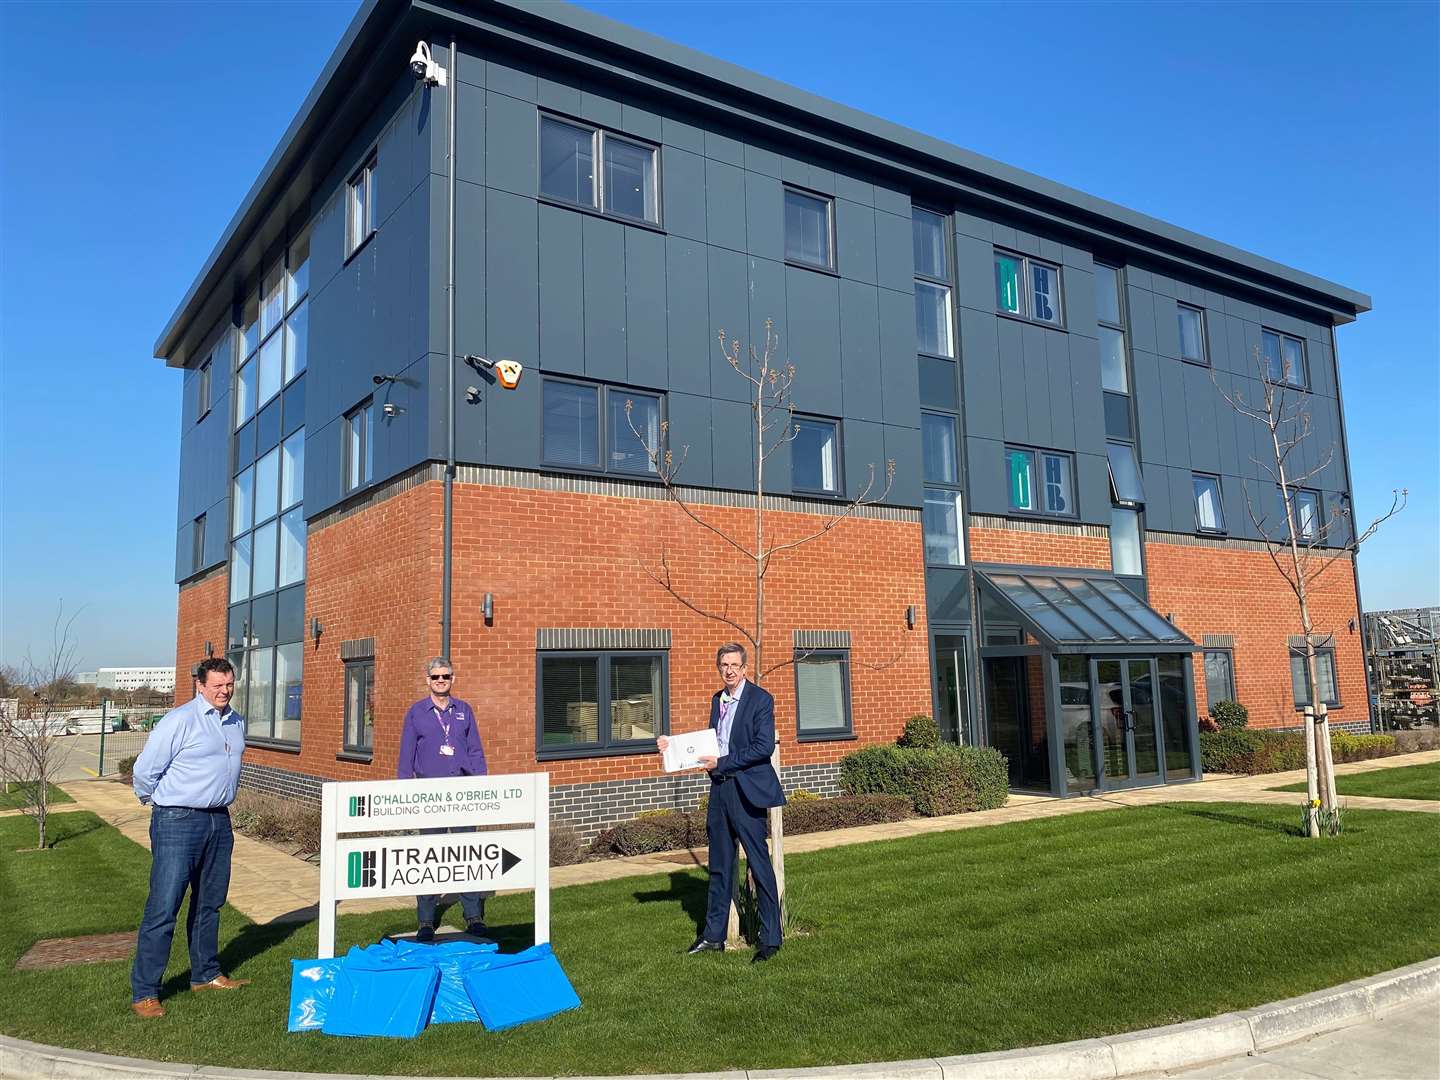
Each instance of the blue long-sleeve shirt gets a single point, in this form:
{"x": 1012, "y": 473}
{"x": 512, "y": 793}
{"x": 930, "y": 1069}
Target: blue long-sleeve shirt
{"x": 192, "y": 758}
{"x": 440, "y": 742}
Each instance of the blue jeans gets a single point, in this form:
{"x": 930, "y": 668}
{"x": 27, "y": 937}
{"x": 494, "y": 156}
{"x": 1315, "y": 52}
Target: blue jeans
{"x": 189, "y": 849}
{"x": 472, "y": 904}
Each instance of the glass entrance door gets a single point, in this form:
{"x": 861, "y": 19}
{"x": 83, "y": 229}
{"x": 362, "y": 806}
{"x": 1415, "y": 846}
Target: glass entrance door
{"x": 952, "y": 712}
{"x": 1126, "y": 714}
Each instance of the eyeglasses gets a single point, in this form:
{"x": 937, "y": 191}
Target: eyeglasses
{"x": 442, "y": 678}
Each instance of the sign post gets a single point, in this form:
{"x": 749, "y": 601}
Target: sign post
{"x": 476, "y": 858}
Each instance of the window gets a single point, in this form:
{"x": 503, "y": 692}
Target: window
{"x": 1125, "y": 558}
{"x": 822, "y": 694}
{"x": 197, "y": 543}
{"x": 1192, "y": 334}
{"x": 1107, "y": 295}
{"x": 1113, "y": 376}
{"x": 360, "y": 705}
{"x": 814, "y": 456}
{"x": 1284, "y": 359}
{"x": 578, "y": 418}
{"x": 1324, "y": 676}
{"x": 359, "y": 435}
{"x": 627, "y": 183}
{"x": 289, "y": 682}
{"x": 1306, "y": 508}
{"x": 932, "y": 319}
{"x": 360, "y": 200}
{"x": 1219, "y": 675}
{"x": 1209, "y": 511}
{"x": 944, "y": 509}
{"x": 1125, "y": 486}
{"x": 1027, "y": 288}
{"x": 1055, "y": 485}
{"x": 931, "y": 254}
{"x": 808, "y": 229}
{"x": 202, "y": 391}
{"x": 600, "y": 702}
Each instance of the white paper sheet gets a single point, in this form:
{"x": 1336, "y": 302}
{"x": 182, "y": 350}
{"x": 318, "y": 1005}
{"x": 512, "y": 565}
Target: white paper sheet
{"x": 685, "y": 751}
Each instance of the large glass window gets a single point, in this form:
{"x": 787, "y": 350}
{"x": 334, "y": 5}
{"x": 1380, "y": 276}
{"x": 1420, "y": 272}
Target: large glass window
{"x": 288, "y": 684}
{"x": 360, "y": 705}
{"x": 1077, "y": 725}
{"x": 1125, "y": 557}
{"x": 808, "y": 229}
{"x": 360, "y": 200}
{"x": 1028, "y": 288}
{"x": 579, "y": 418}
{"x": 567, "y": 161}
{"x": 822, "y": 694}
{"x": 1284, "y": 357}
{"x": 628, "y": 184}
{"x": 1192, "y": 333}
{"x": 931, "y": 253}
{"x": 815, "y": 456}
{"x": 1306, "y": 510}
{"x": 634, "y": 425}
{"x": 1209, "y": 511}
{"x": 1107, "y": 295}
{"x": 571, "y": 424}
{"x": 600, "y": 702}
{"x": 943, "y": 503}
{"x": 1324, "y": 677}
{"x": 932, "y": 319}
{"x": 1053, "y": 473}
{"x": 1219, "y": 675}
{"x": 1176, "y": 720}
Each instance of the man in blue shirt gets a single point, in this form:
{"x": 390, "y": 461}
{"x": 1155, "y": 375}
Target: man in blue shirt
{"x": 187, "y": 774}
{"x": 440, "y": 738}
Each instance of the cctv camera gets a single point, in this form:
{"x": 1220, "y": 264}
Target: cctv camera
{"x": 424, "y": 67}
{"x": 381, "y": 380}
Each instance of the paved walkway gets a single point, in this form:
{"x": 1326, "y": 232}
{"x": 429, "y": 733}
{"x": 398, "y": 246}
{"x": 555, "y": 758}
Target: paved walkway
{"x": 269, "y": 885}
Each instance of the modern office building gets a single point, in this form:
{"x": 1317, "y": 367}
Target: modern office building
{"x": 1064, "y": 566}
{"x": 131, "y": 678}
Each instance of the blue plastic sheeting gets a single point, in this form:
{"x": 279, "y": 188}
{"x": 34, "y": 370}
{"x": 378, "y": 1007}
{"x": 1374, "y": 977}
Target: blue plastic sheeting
{"x": 511, "y": 990}
{"x": 312, "y": 986}
{"x": 452, "y": 1003}
{"x": 379, "y": 993}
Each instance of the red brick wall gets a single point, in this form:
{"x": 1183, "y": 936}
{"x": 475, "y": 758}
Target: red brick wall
{"x": 554, "y": 559}
{"x": 200, "y": 618}
{"x": 1212, "y": 590}
{"x": 1039, "y": 549}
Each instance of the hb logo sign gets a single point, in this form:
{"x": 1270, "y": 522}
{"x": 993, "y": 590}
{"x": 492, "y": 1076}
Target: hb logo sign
{"x": 359, "y": 805}
{"x": 360, "y": 872}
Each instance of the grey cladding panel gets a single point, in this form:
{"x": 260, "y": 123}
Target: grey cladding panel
{"x": 469, "y": 135}
{"x": 1142, "y": 317}
{"x": 599, "y": 107}
{"x": 767, "y": 301}
{"x": 675, "y": 131}
{"x": 975, "y": 269}
{"x": 1182, "y": 499}
{"x": 513, "y": 424}
{"x": 682, "y": 192}
{"x": 513, "y": 125}
{"x": 1080, "y": 302}
{"x": 1093, "y": 488}
{"x": 758, "y": 159}
{"x": 894, "y": 252}
{"x": 732, "y": 446}
{"x": 1159, "y": 514}
{"x": 988, "y": 494}
{"x": 1232, "y": 502}
{"x": 813, "y": 318}
{"x": 1086, "y": 399}
{"x": 980, "y": 364}
{"x": 1205, "y": 432}
{"x": 730, "y": 312}
{"x": 1167, "y": 327}
{"x": 512, "y": 274}
{"x": 1064, "y": 388}
{"x": 724, "y": 205}
{"x": 723, "y": 148}
{"x": 512, "y": 80}
{"x": 604, "y": 252}
{"x": 764, "y": 216}
{"x": 1013, "y": 403}
{"x": 646, "y": 333}
{"x": 690, "y": 341}
{"x": 854, "y": 189}
{"x": 855, "y": 240}
{"x": 690, "y": 439}
{"x": 1173, "y": 406}
{"x": 864, "y": 446}
{"x": 1037, "y": 386}
{"x": 860, "y": 351}
{"x": 562, "y": 97}
{"x": 902, "y": 446}
{"x": 562, "y": 293}
{"x": 892, "y": 201}
{"x": 900, "y": 378}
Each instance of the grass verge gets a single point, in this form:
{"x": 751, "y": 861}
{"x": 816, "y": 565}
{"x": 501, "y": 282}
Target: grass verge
{"x": 981, "y": 939}
{"x": 1405, "y": 782}
{"x": 15, "y": 798}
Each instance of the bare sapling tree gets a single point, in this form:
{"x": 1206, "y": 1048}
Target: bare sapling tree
{"x": 1304, "y": 546}
{"x": 773, "y": 427}
{"x": 34, "y": 747}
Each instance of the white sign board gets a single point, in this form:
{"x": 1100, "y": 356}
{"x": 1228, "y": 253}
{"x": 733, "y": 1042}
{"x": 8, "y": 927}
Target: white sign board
{"x": 462, "y": 858}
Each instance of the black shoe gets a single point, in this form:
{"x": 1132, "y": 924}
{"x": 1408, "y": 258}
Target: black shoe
{"x": 701, "y": 945}
{"x": 765, "y": 952}
{"x": 478, "y": 929}
{"x": 425, "y": 935}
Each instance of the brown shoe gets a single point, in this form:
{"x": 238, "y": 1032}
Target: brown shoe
{"x": 148, "y": 1008}
{"x": 219, "y": 982}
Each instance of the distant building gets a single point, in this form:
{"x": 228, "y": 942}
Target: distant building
{"x": 130, "y": 678}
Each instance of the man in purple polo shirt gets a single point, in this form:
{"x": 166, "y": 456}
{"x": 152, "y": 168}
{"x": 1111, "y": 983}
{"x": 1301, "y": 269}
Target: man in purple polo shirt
{"x": 440, "y": 738}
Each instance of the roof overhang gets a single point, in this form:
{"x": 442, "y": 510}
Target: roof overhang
{"x": 359, "y": 71}
{"x": 1073, "y": 612}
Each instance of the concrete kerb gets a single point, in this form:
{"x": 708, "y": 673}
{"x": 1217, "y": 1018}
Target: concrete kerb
{"x": 1176, "y": 1046}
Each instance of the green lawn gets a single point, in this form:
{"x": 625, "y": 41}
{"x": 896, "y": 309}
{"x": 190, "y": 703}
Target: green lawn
{"x": 14, "y": 799}
{"x": 1406, "y": 782}
{"x": 1019, "y": 934}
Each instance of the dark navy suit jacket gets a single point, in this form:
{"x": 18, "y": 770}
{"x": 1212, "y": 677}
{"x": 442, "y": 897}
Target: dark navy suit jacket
{"x": 752, "y": 739}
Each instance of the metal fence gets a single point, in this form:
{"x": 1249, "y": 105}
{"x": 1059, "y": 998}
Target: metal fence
{"x": 117, "y": 747}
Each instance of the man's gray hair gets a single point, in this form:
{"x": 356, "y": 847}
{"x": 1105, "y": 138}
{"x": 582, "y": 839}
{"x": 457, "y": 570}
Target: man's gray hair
{"x": 438, "y": 661}
{"x": 729, "y": 647}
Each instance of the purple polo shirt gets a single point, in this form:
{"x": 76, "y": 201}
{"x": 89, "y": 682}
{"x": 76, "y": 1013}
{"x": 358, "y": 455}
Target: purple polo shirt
{"x": 425, "y": 732}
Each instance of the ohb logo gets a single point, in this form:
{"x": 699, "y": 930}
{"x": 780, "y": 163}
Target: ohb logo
{"x": 359, "y": 805}
{"x": 361, "y": 869}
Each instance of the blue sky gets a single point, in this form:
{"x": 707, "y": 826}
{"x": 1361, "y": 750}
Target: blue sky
{"x": 129, "y": 132}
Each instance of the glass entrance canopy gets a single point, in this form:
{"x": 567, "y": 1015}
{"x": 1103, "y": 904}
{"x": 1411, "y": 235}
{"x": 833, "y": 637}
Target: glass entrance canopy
{"x": 1074, "y": 613}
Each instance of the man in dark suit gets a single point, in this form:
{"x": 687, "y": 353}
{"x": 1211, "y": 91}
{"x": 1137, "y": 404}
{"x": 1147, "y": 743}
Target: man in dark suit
{"x": 743, "y": 786}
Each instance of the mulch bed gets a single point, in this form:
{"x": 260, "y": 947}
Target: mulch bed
{"x": 91, "y": 949}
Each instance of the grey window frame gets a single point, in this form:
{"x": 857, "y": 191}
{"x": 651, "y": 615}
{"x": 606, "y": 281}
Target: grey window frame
{"x": 1222, "y": 529}
{"x": 842, "y": 657}
{"x": 1303, "y": 374}
{"x": 1298, "y": 494}
{"x": 352, "y": 746}
{"x": 364, "y": 175}
{"x": 202, "y": 390}
{"x": 365, "y": 467}
{"x": 953, "y": 489}
{"x": 1027, "y": 283}
{"x": 1036, "y": 452}
{"x": 795, "y": 260}
{"x": 605, "y": 746}
{"x": 1116, "y": 499}
{"x": 1297, "y": 687}
{"x": 1229, "y": 655}
{"x": 602, "y": 427}
{"x": 598, "y": 137}
{"x": 1139, "y": 538}
{"x": 839, "y": 488}
{"x": 197, "y": 543}
{"x": 1204, "y": 358}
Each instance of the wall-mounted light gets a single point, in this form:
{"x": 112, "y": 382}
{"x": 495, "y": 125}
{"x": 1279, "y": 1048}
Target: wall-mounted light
{"x": 1352, "y": 626}
{"x": 316, "y": 629}
{"x": 487, "y": 609}
{"x": 472, "y": 394}
{"x": 910, "y": 617}
{"x": 210, "y": 649}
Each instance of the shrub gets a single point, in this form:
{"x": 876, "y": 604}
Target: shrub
{"x": 800, "y": 795}
{"x": 1278, "y": 751}
{"x": 1207, "y": 724}
{"x": 1242, "y": 750}
{"x": 843, "y": 812}
{"x": 921, "y": 733}
{"x": 1347, "y": 747}
{"x": 566, "y": 847}
{"x": 1228, "y": 751}
{"x": 279, "y": 820}
{"x": 1410, "y": 742}
{"x": 1229, "y": 715}
{"x": 945, "y": 780}
{"x": 127, "y": 768}
{"x": 665, "y": 831}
